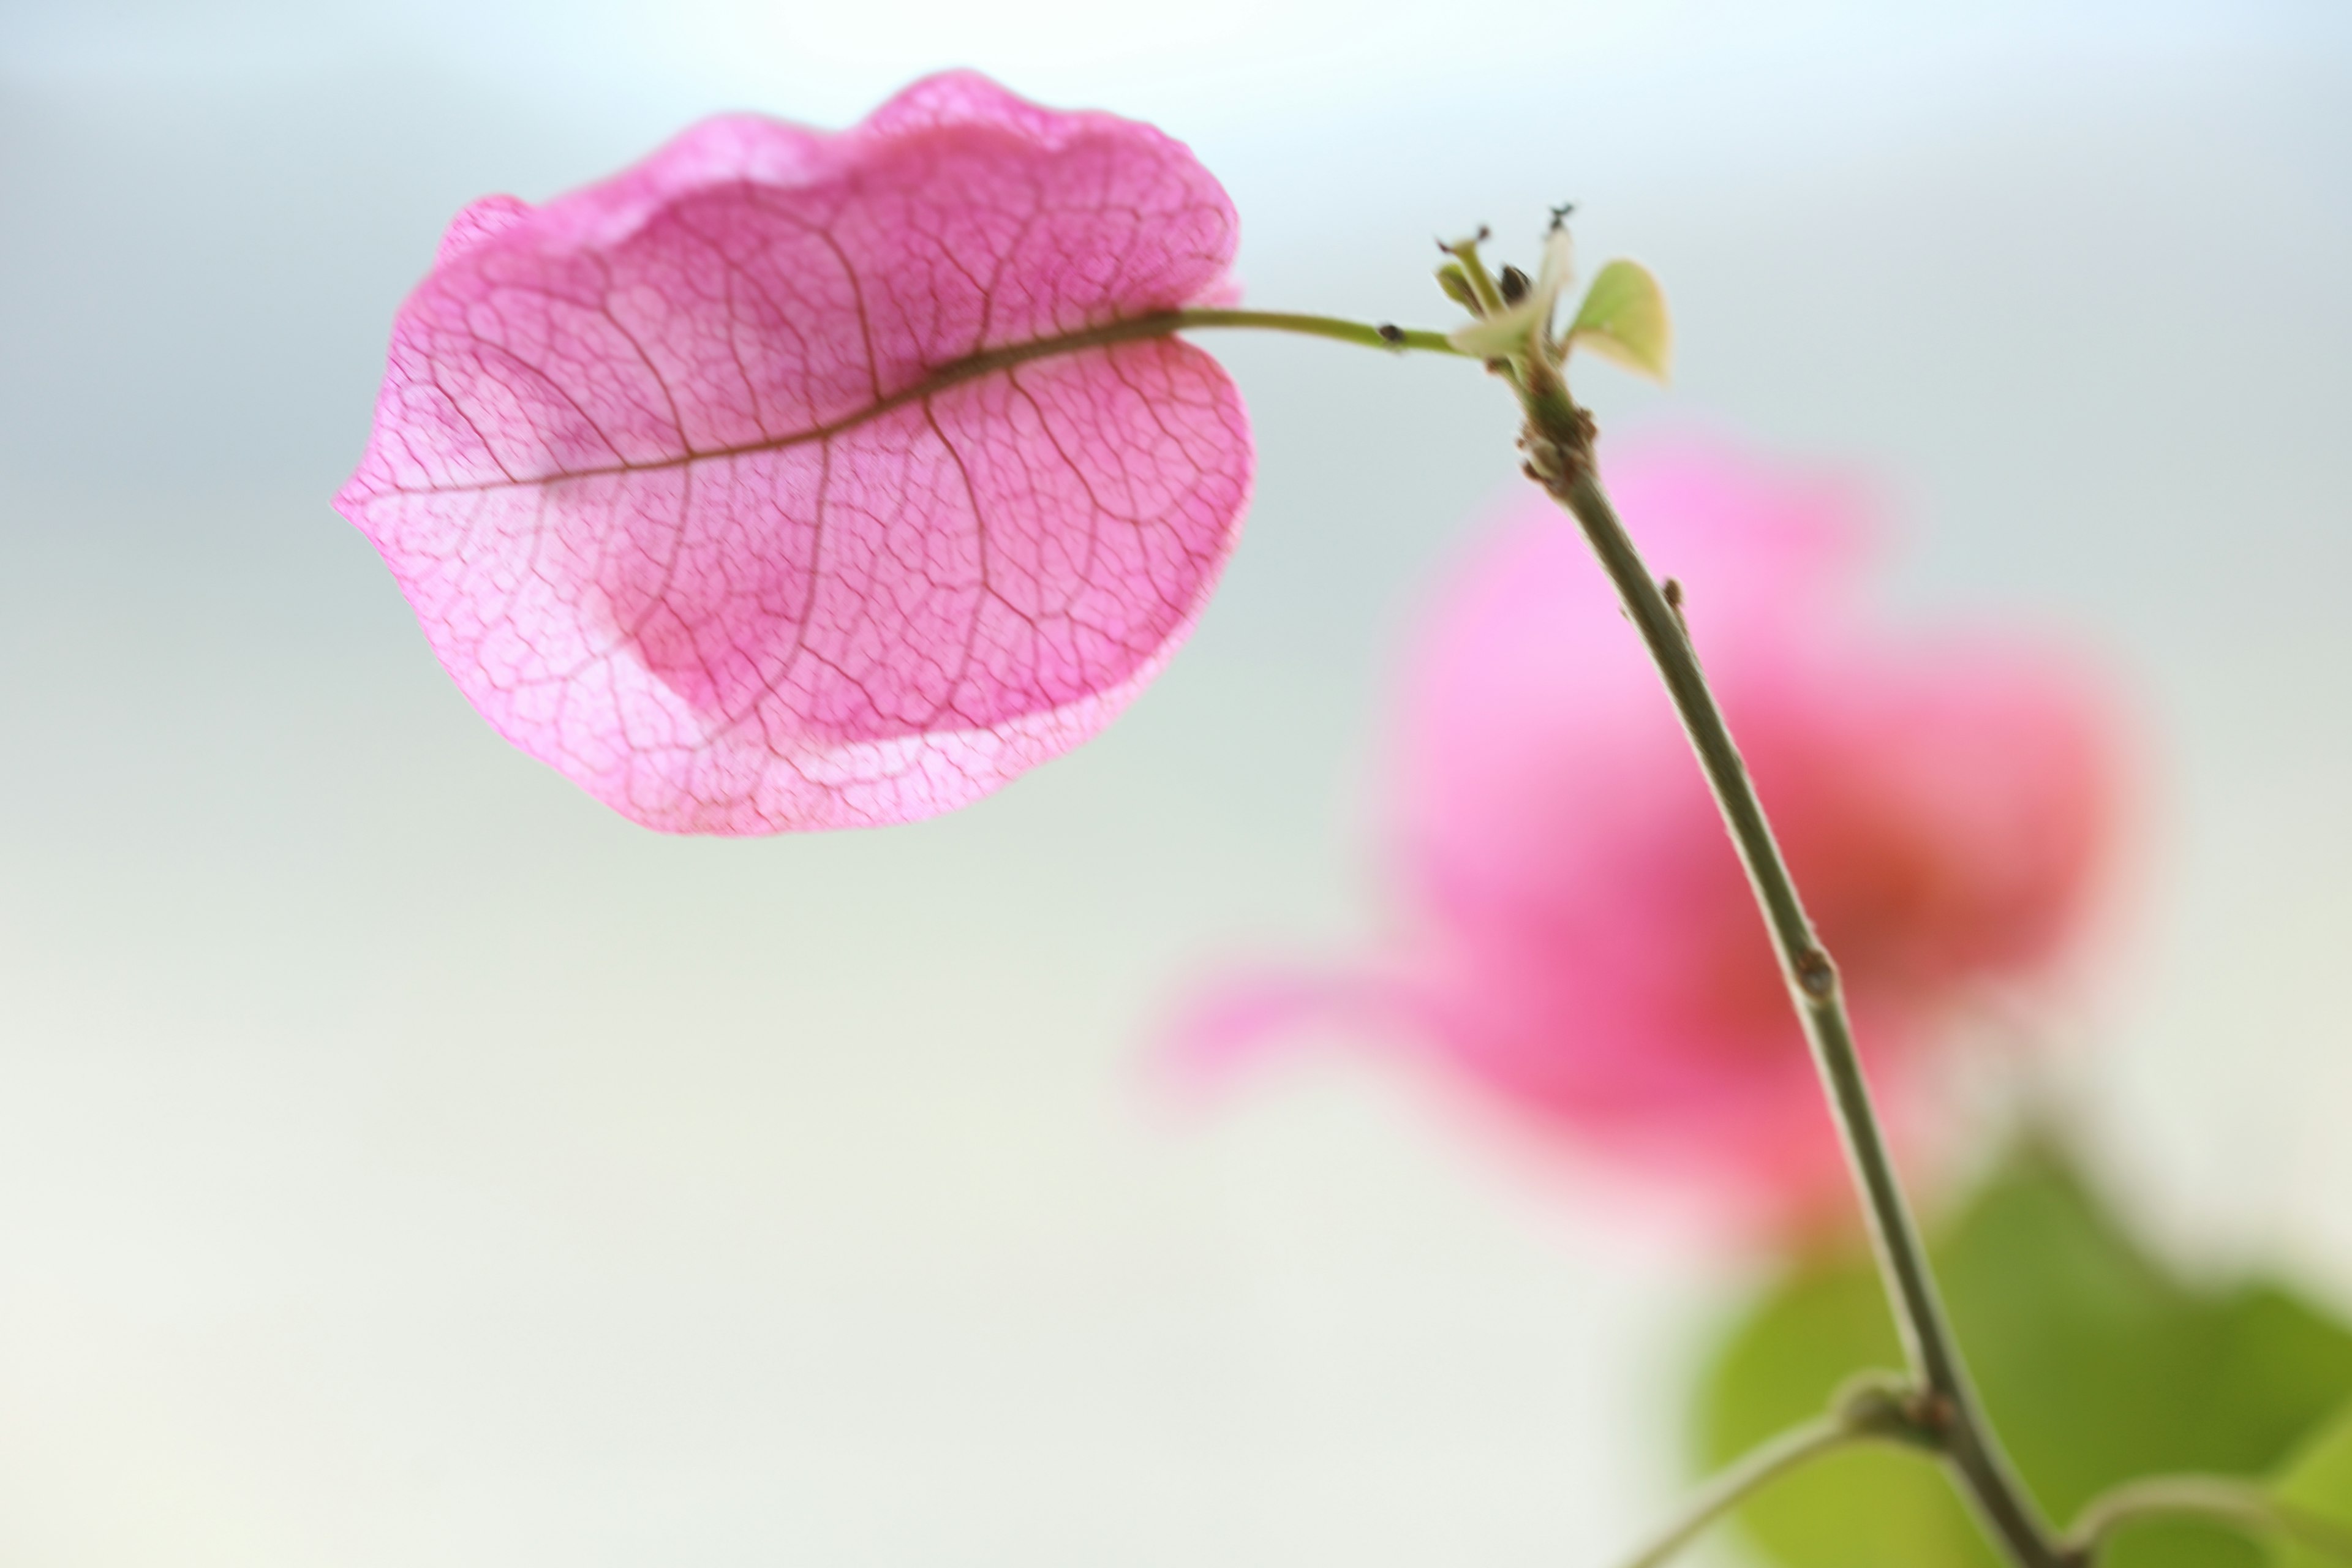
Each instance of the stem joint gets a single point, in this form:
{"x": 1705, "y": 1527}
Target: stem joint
{"x": 1817, "y": 976}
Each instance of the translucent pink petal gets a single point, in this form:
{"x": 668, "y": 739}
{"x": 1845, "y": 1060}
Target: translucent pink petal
{"x": 1578, "y": 937}
{"x": 663, "y": 469}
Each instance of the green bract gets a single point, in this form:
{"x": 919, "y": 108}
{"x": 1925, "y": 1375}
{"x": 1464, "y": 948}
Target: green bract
{"x": 1623, "y": 318}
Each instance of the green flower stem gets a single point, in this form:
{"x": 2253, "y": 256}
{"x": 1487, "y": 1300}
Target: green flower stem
{"x": 1558, "y": 443}
{"x": 1158, "y": 324}
{"x": 1944, "y": 1416}
{"x": 2214, "y": 1498}
{"x": 1346, "y": 331}
{"x": 1792, "y": 1449}
{"x": 939, "y": 378}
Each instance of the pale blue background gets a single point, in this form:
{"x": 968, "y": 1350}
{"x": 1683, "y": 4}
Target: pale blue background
{"x": 402, "y": 1160}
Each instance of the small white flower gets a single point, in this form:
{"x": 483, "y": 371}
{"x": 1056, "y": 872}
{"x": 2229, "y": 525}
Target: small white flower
{"x": 1524, "y": 328}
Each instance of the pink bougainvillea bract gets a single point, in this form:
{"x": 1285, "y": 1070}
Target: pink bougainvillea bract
{"x": 669, "y": 472}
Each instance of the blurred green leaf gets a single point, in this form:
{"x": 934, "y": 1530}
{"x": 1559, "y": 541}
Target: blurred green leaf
{"x": 2318, "y": 1481}
{"x": 2096, "y": 1364}
{"x": 1623, "y": 318}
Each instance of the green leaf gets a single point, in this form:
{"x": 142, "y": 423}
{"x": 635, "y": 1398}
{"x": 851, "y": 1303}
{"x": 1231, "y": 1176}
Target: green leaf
{"x": 2318, "y": 1482}
{"x": 2096, "y": 1364}
{"x": 1623, "y": 318}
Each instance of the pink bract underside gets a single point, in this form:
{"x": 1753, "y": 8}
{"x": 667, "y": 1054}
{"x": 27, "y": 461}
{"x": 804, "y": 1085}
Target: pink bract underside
{"x": 669, "y": 474}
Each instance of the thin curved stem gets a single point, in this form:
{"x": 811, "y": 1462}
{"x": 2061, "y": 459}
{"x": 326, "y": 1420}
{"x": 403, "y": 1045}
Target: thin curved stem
{"x": 1368, "y": 334}
{"x": 989, "y": 362}
{"x": 1559, "y": 442}
{"x": 1759, "y": 1469}
{"x": 2216, "y": 1498}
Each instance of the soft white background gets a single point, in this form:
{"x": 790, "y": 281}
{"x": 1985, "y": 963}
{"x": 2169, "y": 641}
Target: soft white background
{"x": 404, "y": 1161}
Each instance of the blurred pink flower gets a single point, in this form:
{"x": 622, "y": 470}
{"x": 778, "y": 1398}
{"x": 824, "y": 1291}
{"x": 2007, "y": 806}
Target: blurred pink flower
{"x": 668, "y": 473}
{"x": 1578, "y": 936}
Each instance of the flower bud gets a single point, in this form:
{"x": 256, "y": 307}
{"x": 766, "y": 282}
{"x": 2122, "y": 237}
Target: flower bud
{"x": 1456, "y": 284}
